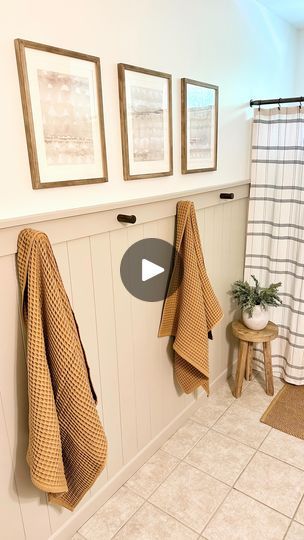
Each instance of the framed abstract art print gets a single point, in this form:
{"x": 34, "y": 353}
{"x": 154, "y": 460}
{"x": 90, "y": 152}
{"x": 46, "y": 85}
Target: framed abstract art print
{"x": 146, "y": 122}
{"x": 199, "y": 104}
{"x": 63, "y": 115}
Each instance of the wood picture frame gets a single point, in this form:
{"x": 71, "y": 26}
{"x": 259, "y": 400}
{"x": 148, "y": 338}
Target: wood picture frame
{"x": 199, "y": 127}
{"x": 145, "y": 99}
{"x": 62, "y": 106}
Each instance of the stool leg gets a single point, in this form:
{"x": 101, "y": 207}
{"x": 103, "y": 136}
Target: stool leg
{"x": 240, "y": 372}
{"x": 249, "y": 362}
{"x": 268, "y": 368}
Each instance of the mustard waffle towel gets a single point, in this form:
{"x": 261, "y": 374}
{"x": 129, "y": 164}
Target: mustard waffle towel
{"x": 67, "y": 445}
{"x": 193, "y": 309}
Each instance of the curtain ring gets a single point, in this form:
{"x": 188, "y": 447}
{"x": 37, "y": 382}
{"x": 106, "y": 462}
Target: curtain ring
{"x": 300, "y": 106}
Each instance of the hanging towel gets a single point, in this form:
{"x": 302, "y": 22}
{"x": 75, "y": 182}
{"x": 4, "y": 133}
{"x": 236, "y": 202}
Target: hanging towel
{"x": 67, "y": 445}
{"x": 193, "y": 309}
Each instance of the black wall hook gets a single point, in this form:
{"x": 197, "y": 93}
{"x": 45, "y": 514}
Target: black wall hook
{"x": 226, "y": 195}
{"x": 124, "y": 218}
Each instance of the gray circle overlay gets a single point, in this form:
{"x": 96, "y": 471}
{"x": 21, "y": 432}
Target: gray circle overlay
{"x": 157, "y": 252}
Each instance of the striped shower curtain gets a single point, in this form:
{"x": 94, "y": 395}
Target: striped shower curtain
{"x": 275, "y": 235}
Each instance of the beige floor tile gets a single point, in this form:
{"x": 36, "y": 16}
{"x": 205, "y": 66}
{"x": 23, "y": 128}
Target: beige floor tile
{"x": 212, "y": 408}
{"x": 243, "y": 425}
{"x": 225, "y": 390}
{"x": 296, "y": 532}
{"x": 112, "y": 515}
{"x": 273, "y": 483}
{"x": 190, "y": 496}
{"x": 300, "y": 513}
{"x": 242, "y": 518}
{"x": 78, "y": 536}
{"x": 254, "y": 397}
{"x": 150, "y": 523}
{"x": 284, "y": 447}
{"x": 184, "y": 439}
{"x": 152, "y": 473}
{"x": 259, "y": 377}
{"x": 220, "y": 456}
{"x": 231, "y": 384}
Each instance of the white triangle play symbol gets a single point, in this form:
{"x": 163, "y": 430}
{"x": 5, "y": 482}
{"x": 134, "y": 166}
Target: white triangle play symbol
{"x": 150, "y": 269}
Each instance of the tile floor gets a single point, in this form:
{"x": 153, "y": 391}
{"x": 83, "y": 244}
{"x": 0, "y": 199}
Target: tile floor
{"x": 222, "y": 476}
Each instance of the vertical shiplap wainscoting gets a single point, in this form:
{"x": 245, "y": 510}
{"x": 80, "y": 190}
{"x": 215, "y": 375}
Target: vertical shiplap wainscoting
{"x": 139, "y": 402}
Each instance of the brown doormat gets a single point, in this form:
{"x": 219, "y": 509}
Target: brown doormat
{"x": 286, "y": 411}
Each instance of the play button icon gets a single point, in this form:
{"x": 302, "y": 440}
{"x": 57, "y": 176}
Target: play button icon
{"x": 149, "y": 270}
{"x": 146, "y": 268}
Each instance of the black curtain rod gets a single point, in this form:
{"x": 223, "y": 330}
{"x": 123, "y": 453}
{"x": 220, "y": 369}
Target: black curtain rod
{"x": 278, "y": 101}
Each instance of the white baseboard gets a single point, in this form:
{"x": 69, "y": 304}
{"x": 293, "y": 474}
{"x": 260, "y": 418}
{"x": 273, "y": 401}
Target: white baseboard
{"x": 79, "y": 517}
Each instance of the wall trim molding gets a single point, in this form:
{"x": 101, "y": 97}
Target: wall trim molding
{"x": 89, "y": 222}
{"x": 59, "y": 214}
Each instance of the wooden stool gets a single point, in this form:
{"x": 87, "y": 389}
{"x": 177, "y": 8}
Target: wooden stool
{"x": 247, "y": 337}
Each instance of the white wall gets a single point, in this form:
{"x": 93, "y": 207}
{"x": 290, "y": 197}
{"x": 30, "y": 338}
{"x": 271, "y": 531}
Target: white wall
{"x": 236, "y": 44}
{"x": 300, "y": 64}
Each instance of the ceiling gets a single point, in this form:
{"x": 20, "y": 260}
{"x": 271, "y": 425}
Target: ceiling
{"x": 290, "y": 10}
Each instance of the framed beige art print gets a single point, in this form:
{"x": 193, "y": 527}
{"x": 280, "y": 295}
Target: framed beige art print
{"x": 199, "y": 109}
{"x": 145, "y": 98}
{"x": 63, "y": 115}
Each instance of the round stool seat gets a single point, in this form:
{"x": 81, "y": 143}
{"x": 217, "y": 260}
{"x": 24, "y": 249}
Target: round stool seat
{"x": 247, "y": 337}
{"x": 268, "y": 333}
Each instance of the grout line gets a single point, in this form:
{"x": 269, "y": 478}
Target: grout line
{"x": 219, "y": 417}
{"x": 263, "y": 503}
{"x": 238, "y": 441}
{"x": 280, "y": 459}
{"x": 170, "y": 455}
{"x": 188, "y": 451}
{"x": 145, "y": 499}
{"x": 285, "y": 535}
{"x": 174, "y": 517}
{"x": 246, "y": 494}
{"x": 79, "y": 534}
{"x": 215, "y": 477}
{"x": 297, "y": 508}
{"x": 232, "y": 487}
{"x": 215, "y": 511}
{"x": 229, "y": 486}
{"x": 252, "y": 457}
{"x": 182, "y": 460}
{"x": 289, "y": 526}
{"x": 193, "y": 446}
{"x": 134, "y": 493}
{"x": 130, "y": 517}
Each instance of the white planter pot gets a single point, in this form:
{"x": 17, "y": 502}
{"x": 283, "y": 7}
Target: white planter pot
{"x": 259, "y": 318}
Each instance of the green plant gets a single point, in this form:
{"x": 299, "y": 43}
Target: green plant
{"x": 247, "y": 296}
